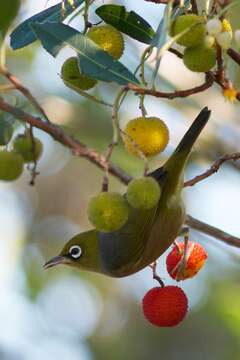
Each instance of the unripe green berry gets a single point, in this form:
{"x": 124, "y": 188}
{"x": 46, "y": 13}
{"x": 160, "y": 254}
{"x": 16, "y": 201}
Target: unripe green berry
{"x": 11, "y": 165}
{"x": 108, "y": 38}
{"x": 143, "y": 193}
{"x": 30, "y": 152}
{"x": 72, "y": 77}
{"x": 196, "y": 33}
{"x": 108, "y": 211}
{"x": 209, "y": 41}
{"x": 199, "y": 58}
{"x": 6, "y": 131}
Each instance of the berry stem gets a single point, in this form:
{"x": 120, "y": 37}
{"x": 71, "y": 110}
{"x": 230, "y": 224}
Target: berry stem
{"x": 155, "y": 275}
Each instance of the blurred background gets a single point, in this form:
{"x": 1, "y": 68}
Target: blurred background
{"x": 73, "y": 315}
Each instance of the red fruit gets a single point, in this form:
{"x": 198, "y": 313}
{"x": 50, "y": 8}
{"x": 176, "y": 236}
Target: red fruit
{"x": 166, "y": 306}
{"x": 196, "y": 257}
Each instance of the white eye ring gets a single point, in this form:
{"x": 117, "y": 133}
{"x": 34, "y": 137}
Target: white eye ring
{"x": 75, "y": 251}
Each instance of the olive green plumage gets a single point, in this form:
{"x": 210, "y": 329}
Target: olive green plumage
{"x": 147, "y": 233}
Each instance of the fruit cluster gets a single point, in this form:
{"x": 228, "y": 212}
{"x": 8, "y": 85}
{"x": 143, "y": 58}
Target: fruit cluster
{"x": 109, "y": 211}
{"x": 25, "y": 149}
{"x": 108, "y": 39}
{"x": 167, "y": 306}
{"x": 200, "y": 37}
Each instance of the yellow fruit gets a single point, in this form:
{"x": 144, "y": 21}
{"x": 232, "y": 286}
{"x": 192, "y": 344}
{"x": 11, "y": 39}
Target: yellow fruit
{"x": 108, "y": 38}
{"x": 73, "y": 78}
{"x": 148, "y": 135}
{"x": 24, "y": 146}
{"x": 108, "y": 211}
{"x": 196, "y": 33}
{"x": 11, "y": 165}
{"x": 143, "y": 193}
{"x": 199, "y": 58}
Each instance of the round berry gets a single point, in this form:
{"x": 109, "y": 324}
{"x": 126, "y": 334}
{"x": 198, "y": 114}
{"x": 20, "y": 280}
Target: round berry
{"x": 11, "y": 165}
{"x": 108, "y": 38}
{"x": 196, "y": 33}
{"x": 148, "y": 135}
{"x": 196, "y": 257}
{"x": 30, "y": 151}
{"x": 166, "y": 306}
{"x": 143, "y": 193}
{"x": 72, "y": 77}
{"x": 199, "y": 58}
{"x": 108, "y": 211}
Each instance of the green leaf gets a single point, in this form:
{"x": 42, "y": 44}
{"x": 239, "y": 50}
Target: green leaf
{"x": 129, "y": 23}
{"x": 23, "y": 35}
{"x": 8, "y": 12}
{"x": 93, "y": 61}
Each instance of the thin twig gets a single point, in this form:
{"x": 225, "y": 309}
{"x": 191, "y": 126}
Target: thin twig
{"x": 175, "y": 94}
{"x": 213, "y": 169}
{"x": 18, "y": 86}
{"x": 212, "y": 231}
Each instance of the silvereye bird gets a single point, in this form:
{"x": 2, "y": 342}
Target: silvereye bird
{"x": 147, "y": 233}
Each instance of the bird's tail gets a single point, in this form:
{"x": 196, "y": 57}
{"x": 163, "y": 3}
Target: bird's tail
{"x": 175, "y": 164}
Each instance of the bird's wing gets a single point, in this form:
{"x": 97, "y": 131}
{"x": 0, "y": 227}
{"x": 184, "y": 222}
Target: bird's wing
{"x": 122, "y": 249}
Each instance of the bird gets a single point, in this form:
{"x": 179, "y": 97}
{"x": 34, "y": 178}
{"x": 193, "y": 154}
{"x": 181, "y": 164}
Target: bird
{"x": 147, "y": 234}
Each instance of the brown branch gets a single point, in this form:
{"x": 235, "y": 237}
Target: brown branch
{"x": 213, "y": 169}
{"x": 80, "y": 149}
{"x": 212, "y": 231}
{"x": 194, "y": 7}
{"x": 18, "y": 86}
{"x": 175, "y": 94}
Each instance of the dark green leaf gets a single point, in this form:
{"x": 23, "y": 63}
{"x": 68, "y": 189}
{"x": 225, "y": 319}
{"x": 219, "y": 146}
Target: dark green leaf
{"x": 129, "y": 23}
{"x": 8, "y": 12}
{"x": 23, "y": 35}
{"x": 93, "y": 61}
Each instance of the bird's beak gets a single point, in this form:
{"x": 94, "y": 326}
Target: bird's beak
{"x": 56, "y": 260}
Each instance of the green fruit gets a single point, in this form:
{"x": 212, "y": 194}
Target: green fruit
{"x": 73, "y": 78}
{"x": 108, "y": 211}
{"x": 199, "y": 58}
{"x": 23, "y": 145}
{"x": 143, "y": 193}
{"x": 11, "y": 165}
{"x": 6, "y": 131}
{"x": 195, "y": 35}
{"x": 109, "y": 39}
{"x": 9, "y": 10}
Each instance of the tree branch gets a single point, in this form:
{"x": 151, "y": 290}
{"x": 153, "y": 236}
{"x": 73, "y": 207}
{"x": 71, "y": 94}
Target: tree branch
{"x": 175, "y": 94}
{"x": 212, "y": 231}
{"x": 213, "y": 169}
{"x": 79, "y": 149}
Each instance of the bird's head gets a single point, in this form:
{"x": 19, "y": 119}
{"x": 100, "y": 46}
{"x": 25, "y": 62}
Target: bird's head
{"x": 80, "y": 251}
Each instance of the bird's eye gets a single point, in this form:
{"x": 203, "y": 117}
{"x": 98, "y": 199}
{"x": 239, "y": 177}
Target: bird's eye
{"x": 75, "y": 251}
